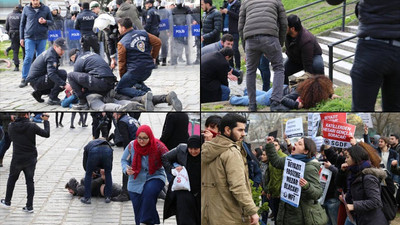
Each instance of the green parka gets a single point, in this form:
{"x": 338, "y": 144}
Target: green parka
{"x": 275, "y": 178}
{"x": 309, "y": 212}
{"x": 225, "y": 187}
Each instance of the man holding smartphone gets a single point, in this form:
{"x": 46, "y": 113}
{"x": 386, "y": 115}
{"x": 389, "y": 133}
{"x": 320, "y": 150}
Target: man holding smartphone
{"x": 23, "y": 133}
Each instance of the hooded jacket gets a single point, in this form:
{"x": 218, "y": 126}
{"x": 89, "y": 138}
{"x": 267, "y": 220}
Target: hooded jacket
{"x": 23, "y": 133}
{"x": 128, "y": 10}
{"x": 309, "y": 210}
{"x": 226, "y": 196}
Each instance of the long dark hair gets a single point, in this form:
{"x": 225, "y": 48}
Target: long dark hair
{"x": 310, "y": 146}
{"x": 358, "y": 154}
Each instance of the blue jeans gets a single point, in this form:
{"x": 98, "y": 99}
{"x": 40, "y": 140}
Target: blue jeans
{"x": 262, "y": 98}
{"x": 348, "y": 222}
{"x": 144, "y": 205}
{"x": 332, "y": 207}
{"x": 292, "y": 68}
{"x": 99, "y": 157}
{"x": 376, "y": 65}
{"x": 265, "y": 72}
{"x": 225, "y": 91}
{"x": 32, "y": 46}
{"x": 134, "y": 78}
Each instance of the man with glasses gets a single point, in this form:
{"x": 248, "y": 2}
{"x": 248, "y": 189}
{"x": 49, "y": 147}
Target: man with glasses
{"x": 44, "y": 75}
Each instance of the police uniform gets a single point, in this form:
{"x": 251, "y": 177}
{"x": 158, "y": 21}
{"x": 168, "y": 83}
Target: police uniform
{"x": 180, "y": 18}
{"x": 12, "y": 28}
{"x": 84, "y": 23}
{"x": 92, "y": 73}
{"x": 44, "y": 75}
{"x": 164, "y": 14}
{"x": 152, "y": 22}
{"x": 136, "y": 51}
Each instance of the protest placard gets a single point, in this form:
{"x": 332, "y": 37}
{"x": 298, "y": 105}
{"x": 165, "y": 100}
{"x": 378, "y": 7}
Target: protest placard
{"x": 337, "y": 134}
{"x": 325, "y": 177}
{"x": 319, "y": 140}
{"x": 313, "y": 124}
{"x": 294, "y": 128}
{"x": 335, "y": 117}
{"x": 291, "y": 189}
{"x": 366, "y": 118}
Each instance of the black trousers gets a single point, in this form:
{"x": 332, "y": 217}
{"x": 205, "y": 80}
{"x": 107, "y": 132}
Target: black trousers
{"x": 79, "y": 80}
{"x": 45, "y": 86}
{"x": 15, "y": 44}
{"x": 90, "y": 41}
{"x": 28, "y": 167}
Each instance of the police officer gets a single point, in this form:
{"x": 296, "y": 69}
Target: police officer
{"x": 180, "y": 17}
{"x": 92, "y": 74}
{"x": 152, "y": 19}
{"x": 196, "y": 20}
{"x": 97, "y": 154}
{"x": 164, "y": 34}
{"x": 127, "y": 127}
{"x": 12, "y": 28}
{"x": 44, "y": 75}
{"x": 84, "y": 23}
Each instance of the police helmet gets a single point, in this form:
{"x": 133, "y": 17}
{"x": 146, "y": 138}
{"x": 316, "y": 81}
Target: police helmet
{"x": 75, "y": 8}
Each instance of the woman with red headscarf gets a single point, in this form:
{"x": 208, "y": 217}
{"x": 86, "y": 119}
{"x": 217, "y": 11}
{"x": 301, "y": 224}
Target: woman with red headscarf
{"x": 142, "y": 162}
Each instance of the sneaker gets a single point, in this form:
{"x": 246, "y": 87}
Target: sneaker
{"x": 72, "y": 127}
{"x": 84, "y": 125}
{"x": 86, "y": 200}
{"x": 240, "y": 78}
{"x": 23, "y": 83}
{"x": 28, "y": 209}
{"x": 278, "y": 107}
{"x": 80, "y": 106}
{"x": 16, "y": 68}
{"x": 4, "y": 203}
{"x": 107, "y": 200}
{"x": 123, "y": 197}
{"x": 53, "y": 101}
{"x": 173, "y": 100}
{"x": 147, "y": 100}
{"x": 37, "y": 96}
{"x": 253, "y": 108}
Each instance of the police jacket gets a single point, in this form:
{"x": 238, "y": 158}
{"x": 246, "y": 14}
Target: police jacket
{"x": 97, "y": 143}
{"x": 23, "y": 133}
{"x": 302, "y": 49}
{"x": 46, "y": 64}
{"x": 152, "y": 21}
{"x": 30, "y": 28}
{"x": 85, "y": 21}
{"x": 58, "y": 23}
{"x": 212, "y": 26}
{"x": 127, "y": 127}
{"x": 93, "y": 64}
{"x": 179, "y": 15}
{"x": 136, "y": 51}
{"x": 13, "y": 20}
{"x": 233, "y": 14}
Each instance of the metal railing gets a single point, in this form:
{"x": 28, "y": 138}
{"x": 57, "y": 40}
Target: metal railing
{"x": 331, "y": 62}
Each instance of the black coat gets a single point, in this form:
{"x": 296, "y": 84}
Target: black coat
{"x": 212, "y": 26}
{"x": 23, "y": 133}
{"x": 178, "y": 155}
{"x": 213, "y": 72}
{"x": 175, "y": 129}
{"x": 233, "y": 13}
{"x": 13, "y": 21}
{"x": 152, "y": 21}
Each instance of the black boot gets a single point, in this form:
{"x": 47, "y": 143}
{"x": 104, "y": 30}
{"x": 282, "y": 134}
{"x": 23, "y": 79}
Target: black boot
{"x": 16, "y": 67}
{"x": 164, "y": 62}
{"x": 38, "y": 96}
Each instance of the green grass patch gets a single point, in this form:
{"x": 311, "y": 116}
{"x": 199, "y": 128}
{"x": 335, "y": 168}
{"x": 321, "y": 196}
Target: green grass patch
{"x": 3, "y": 46}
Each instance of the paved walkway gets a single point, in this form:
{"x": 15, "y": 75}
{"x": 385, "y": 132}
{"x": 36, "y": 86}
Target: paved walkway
{"x": 60, "y": 158}
{"x": 184, "y": 80}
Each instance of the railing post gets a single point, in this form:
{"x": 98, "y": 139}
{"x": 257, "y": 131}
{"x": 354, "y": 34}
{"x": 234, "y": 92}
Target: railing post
{"x": 344, "y": 15}
{"x": 330, "y": 46}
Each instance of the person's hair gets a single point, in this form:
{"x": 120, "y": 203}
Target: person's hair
{"x": 208, "y": 1}
{"x": 227, "y": 37}
{"x": 358, "y": 154}
{"x": 294, "y": 21}
{"x": 125, "y": 22}
{"x": 21, "y": 114}
{"x": 258, "y": 152}
{"x": 227, "y": 52}
{"x": 385, "y": 139}
{"x": 213, "y": 121}
{"x": 372, "y": 154}
{"x": 230, "y": 120}
{"x": 85, "y": 5}
{"x": 119, "y": 2}
{"x": 309, "y": 145}
{"x": 314, "y": 90}
{"x": 395, "y": 136}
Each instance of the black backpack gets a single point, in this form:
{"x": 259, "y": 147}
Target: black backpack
{"x": 388, "y": 189}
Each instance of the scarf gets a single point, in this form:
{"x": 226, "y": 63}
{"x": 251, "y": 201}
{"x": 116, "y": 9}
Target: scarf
{"x": 354, "y": 172}
{"x": 302, "y": 157}
{"x": 154, "y": 150}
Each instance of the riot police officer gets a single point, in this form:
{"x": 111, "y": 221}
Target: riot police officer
{"x": 180, "y": 17}
{"x": 44, "y": 75}
{"x": 84, "y": 23}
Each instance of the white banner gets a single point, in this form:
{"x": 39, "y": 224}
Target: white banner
{"x": 366, "y": 118}
{"x": 291, "y": 189}
{"x": 294, "y": 128}
{"x": 339, "y": 144}
{"x": 325, "y": 177}
{"x": 313, "y": 124}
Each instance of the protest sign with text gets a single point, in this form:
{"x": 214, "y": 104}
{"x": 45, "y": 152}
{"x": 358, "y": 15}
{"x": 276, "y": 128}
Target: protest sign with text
{"x": 325, "y": 176}
{"x": 291, "y": 189}
{"x": 337, "y": 134}
{"x": 336, "y": 117}
{"x": 294, "y": 128}
{"x": 366, "y": 118}
{"x": 313, "y": 124}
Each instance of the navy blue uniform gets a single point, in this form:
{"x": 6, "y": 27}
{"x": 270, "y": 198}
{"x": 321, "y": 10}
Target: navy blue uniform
{"x": 44, "y": 75}
{"x": 84, "y": 23}
{"x": 12, "y": 28}
{"x": 92, "y": 73}
{"x": 152, "y": 22}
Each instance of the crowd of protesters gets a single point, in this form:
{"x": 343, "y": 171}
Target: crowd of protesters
{"x": 144, "y": 164}
{"x": 363, "y": 179}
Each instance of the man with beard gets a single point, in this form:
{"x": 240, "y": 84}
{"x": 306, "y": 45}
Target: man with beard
{"x": 224, "y": 177}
